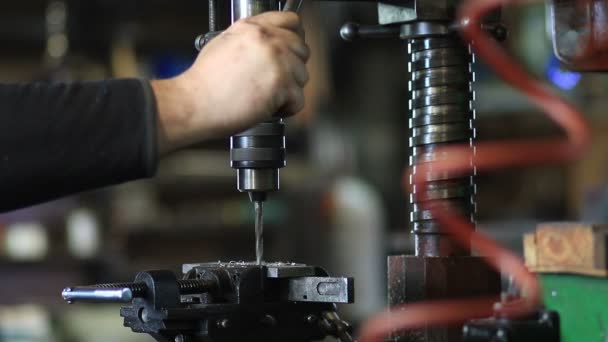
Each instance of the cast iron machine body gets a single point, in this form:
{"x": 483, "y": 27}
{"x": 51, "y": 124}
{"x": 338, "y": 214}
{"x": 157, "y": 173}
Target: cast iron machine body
{"x": 218, "y": 302}
{"x": 440, "y": 114}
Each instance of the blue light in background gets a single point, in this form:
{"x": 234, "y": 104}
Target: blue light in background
{"x": 561, "y": 78}
{"x": 169, "y": 65}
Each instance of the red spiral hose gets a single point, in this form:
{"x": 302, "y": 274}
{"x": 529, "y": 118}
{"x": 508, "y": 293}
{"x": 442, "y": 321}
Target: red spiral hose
{"x": 486, "y": 157}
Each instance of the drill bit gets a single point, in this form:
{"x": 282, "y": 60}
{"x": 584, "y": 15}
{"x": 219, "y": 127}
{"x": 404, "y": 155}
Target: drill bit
{"x": 259, "y": 231}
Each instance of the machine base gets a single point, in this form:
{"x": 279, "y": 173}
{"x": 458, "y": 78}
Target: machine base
{"x": 414, "y": 279}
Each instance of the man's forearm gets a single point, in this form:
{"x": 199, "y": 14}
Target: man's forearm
{"x": 174, "y": 115}
{"x": 59, "y": 139}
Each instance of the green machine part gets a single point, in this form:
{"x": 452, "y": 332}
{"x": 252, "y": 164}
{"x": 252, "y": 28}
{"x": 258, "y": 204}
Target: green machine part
{"x": 582, "y": 303}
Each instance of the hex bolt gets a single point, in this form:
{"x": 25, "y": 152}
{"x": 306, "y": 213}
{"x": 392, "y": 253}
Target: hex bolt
{"x": 501, "y": 335}
{"x": 143, "y": 315}
{"x": 223, "y": 323}
{"x": 269, "y": 320}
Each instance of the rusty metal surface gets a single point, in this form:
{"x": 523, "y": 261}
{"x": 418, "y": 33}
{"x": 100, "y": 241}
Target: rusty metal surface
{"x": 413, "y": 279}
{"x": 416, "y": 10}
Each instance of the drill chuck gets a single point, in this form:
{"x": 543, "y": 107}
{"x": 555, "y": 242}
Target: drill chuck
{"x": 257, "y": 154}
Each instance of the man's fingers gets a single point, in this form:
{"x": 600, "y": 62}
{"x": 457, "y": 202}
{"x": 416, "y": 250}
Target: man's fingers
{"x": 286, "y": 20}
{"x": 284, "y": 34}
{"x": 297, "y": 69}
{"x": 294, "y": 42}
{"x": 295, "y": 101}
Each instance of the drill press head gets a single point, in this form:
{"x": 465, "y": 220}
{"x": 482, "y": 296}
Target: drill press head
{"x": 258, "y": 154}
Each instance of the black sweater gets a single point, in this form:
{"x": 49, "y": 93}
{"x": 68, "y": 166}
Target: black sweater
{"x": 61, "y": 139}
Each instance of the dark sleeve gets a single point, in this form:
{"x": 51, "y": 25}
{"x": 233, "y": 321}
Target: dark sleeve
{"x": 61, "y": 139}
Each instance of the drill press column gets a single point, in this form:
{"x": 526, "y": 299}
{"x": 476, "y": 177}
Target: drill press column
{"x": 441, "y": 113}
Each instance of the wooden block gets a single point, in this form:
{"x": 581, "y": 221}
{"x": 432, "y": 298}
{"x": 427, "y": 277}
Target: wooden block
{"x": 568, "y": 248}
{"x": 530, "y": 250}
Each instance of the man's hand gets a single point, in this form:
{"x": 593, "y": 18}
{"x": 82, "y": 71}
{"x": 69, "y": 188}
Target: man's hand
{"x": 252, "y": 71}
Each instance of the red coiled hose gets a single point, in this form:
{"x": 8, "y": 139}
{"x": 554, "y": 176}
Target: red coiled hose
{"x": 488, "y": 156}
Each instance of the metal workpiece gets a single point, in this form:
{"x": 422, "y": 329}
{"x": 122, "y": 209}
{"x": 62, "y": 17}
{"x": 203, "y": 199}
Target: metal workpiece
{"x": 441, "y": 114}
{"x": 274, "y": 270}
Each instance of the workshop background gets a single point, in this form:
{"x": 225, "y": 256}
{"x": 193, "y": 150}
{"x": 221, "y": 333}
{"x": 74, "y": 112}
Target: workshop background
{"x": 342, "y": 205}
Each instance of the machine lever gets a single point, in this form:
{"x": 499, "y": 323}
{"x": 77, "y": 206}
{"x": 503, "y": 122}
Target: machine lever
{"x": 353, "y": 31}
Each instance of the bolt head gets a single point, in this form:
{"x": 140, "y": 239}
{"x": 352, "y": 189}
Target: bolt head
{"x": 143, "y": 315}
{"x": 349, "y": 32}
{"x": 501, "y": 335}
{"x": 500, "y": 33}
{"x": 269, "y": 320}
{"x": 223, "y": 323}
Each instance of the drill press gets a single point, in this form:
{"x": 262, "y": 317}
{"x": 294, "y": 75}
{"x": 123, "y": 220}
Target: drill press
{"x": 259, "y": 153}
{"x": 232, "y": 301}
{"x": 440, "y": 114}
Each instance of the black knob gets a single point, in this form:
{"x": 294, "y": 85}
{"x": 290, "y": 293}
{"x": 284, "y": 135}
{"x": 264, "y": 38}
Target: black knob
{"x": 351, "y": 31}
